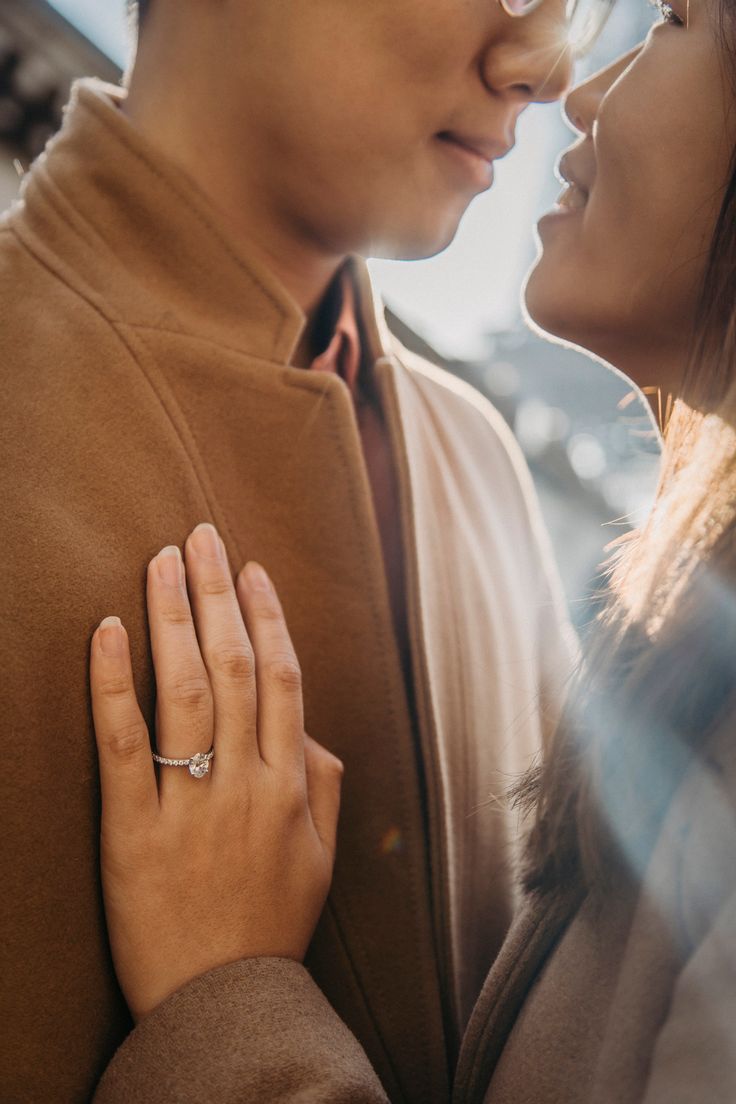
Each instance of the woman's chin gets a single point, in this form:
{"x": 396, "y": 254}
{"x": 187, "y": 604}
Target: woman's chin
{"x": 545, "y": 308}
{"x": 553, "y": 307}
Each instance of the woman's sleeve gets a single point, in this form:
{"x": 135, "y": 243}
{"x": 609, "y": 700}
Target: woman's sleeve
{"x": 258, "y": 1030}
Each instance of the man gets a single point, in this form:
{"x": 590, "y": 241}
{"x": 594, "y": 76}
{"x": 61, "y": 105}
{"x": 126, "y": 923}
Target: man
{"x": 188, "y": 334}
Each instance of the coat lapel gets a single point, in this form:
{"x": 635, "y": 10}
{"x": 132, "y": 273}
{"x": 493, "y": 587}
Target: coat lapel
{"x": 288, "y": 485}
{"x": 537, "y": 929}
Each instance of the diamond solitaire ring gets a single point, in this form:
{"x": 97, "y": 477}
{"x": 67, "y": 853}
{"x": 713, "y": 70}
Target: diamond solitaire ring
{"x": 199, "y": 764}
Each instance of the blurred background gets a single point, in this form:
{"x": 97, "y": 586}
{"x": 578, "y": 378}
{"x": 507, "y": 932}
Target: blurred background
{"x": 590, "y": 442}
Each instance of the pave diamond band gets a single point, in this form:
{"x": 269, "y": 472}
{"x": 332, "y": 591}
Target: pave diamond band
{"x": 199, "y": 764}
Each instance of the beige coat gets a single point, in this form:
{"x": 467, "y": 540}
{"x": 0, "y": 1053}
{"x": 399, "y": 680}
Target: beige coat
{"x": 632, "y": 1002}
{"x": 147, "y": 387}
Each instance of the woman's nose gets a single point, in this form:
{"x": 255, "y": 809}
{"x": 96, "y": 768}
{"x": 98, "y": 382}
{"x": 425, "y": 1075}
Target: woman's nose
{"x": 582, "y": 104}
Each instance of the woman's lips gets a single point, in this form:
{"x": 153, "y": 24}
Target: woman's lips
{"x": 571, "y": 204}
{"x": 574, "y": 198}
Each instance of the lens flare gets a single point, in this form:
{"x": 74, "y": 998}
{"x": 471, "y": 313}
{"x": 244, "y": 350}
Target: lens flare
{"x": 391, "y": 842}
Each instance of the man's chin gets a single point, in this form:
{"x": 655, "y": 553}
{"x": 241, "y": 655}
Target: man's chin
{"x": 416, "y": 244}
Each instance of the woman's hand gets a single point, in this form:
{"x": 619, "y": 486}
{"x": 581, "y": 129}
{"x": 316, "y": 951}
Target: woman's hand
{"x": 199, "y": 872}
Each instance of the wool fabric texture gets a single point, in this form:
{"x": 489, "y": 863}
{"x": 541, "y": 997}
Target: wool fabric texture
{"x": 146, "y": 368}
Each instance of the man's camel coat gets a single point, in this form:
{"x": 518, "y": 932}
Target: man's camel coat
{"x": 145, "y": 362}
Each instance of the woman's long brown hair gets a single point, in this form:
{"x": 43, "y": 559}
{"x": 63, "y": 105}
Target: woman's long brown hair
{"x": 658, "y": 685}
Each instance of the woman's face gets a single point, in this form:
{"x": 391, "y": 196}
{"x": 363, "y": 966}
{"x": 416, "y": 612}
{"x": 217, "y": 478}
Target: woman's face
{"x": 624, "y": 252}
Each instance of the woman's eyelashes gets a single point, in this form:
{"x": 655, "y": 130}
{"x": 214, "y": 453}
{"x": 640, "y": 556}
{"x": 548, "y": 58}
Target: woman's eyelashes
{"x": 668, "y": 13}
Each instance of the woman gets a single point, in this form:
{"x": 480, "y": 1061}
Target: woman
{"x": 618, "y": 981}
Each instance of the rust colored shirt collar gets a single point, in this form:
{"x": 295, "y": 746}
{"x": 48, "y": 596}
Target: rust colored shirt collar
{"x": 344, "y": 357}
{"x": 343, "y": 354}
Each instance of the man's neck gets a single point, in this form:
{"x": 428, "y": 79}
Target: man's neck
{"x": 304, "y": 270}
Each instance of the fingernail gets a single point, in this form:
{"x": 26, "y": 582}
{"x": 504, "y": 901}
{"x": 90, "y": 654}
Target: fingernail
{"x": 111, "y": 636}
{"x": 257, "y": 577}
{"x": 170, "y": 566}
{"x": 207, "y": 542}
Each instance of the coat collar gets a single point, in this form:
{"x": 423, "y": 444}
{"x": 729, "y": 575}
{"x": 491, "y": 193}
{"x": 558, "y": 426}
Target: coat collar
{"x": 538, "y": 927}
{"x": 136, "y": 215}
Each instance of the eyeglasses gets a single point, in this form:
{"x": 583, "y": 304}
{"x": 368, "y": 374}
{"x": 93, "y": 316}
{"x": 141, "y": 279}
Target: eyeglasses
{"x": 586, "y": 18}
{"x": 516, "y": 8}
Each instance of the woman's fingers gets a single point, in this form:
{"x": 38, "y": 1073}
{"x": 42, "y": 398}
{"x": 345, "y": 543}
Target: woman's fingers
{"x": 127, "y": 775}
{"x": 278, "y": 675}
{"x": 226, "y": 670}
{"x": 187, "y": 872}
{"x": 226, "y": 648}
{"x": 324, "y": 789}
{"x": 184, "y": 706}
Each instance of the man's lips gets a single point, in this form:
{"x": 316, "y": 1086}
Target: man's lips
{"x": 486, "y": 149}
{"x": 476, "y": 155}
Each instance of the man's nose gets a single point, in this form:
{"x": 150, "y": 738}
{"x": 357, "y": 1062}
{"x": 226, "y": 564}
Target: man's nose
{"x": 532, "y": 60}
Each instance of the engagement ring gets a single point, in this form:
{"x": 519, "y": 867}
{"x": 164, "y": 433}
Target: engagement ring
{"x": 199, "y": 764}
